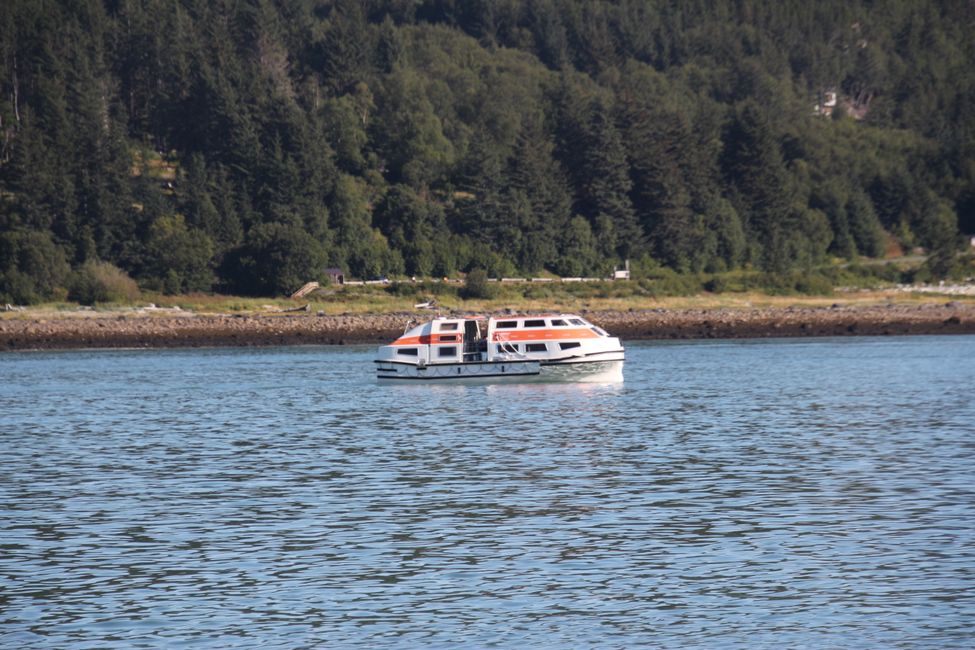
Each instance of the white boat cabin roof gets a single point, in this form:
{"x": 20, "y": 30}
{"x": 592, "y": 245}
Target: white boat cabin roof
{"x": 447, "y": 325}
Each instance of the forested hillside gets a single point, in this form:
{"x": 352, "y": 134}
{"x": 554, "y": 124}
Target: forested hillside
{"x": 246, "y": 145}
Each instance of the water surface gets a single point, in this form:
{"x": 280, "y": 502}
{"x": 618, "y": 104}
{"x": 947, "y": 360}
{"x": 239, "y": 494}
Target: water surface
{"x": 815, "y": 493}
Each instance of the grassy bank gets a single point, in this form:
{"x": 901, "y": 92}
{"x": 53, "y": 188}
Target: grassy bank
{"x": 868, "y": 283}
{"x": 523, "y": 298}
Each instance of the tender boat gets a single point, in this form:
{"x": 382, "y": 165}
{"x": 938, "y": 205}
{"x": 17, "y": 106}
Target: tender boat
{"x": 562, "y": 347}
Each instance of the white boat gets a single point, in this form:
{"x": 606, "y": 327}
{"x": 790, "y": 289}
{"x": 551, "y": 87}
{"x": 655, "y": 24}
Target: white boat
{"x": 562, "y": 347}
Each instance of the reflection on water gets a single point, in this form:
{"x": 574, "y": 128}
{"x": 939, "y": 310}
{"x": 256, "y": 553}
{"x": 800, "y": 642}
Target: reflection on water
{"x": 727, "y": 494}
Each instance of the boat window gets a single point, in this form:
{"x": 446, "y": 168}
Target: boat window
{"x": 599, "y": 330}
{"x": 507, "y": 347}
{"x": 536, "y": 347}
{"x": 450, "y": 351}
{"x": 448, "y": 327}
{"x": 507, "y": 324}
{"x": 534, "y": 323}
{"x": 448, "y": 337}
{"x": 558, "y": 322}
{"x": 407, "y": 352}
{"x": 577, "y": 321}
{"x": 569, "y": 345}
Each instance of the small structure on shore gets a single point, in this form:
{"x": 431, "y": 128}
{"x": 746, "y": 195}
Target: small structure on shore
{"x": 335, "y": 275}
{"x": 622, "y": 274}
{"x": 826, "y": 103}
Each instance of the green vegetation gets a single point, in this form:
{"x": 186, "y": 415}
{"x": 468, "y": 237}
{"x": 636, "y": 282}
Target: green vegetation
{"x": 476, "y": 285}
{"x": 102, "y": 282}
{"x": 244, "y": 147}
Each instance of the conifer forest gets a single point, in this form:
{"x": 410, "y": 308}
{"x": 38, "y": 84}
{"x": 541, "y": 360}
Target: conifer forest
{"x": 246, "y": 146}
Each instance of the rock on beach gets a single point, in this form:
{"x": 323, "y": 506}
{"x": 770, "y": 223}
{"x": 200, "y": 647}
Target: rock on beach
{"x": 109, "y": 330}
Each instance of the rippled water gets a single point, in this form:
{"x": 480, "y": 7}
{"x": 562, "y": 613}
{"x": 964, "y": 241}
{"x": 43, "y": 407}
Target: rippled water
{"x": 765, "y": 494}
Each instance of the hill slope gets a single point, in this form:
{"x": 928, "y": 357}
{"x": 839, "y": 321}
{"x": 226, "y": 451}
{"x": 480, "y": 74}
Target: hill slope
{"x": 246, "y": 146}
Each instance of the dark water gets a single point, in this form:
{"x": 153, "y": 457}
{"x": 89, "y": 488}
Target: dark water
{"x": 762, "y": 494}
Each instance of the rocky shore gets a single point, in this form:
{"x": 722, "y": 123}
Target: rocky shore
{"x": 134, "y": 330}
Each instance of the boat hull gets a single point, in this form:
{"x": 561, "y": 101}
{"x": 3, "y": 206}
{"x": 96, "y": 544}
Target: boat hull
{"x": 592, "y": 372}
{"x": 453, "y": 372}
{"x": 585, "y": 371}
{"x": 548, "y": 347}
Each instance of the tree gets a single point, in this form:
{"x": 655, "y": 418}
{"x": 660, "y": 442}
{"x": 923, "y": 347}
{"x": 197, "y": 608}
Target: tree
{"x": 476, "y": 285}
{"x": 661, "y": 196}
{"x": 731, "y": 243}
{"x": 180, "y": 259}
{"x": 607, "y": 185}
{"x": 831, "y": 200}
{"x": 442, "y": 135}
{"x": 344, "y": 53}
{"x": 864, "y": 225}
{"x": 32, "y": 267}
{"x": 539, "y": 200}
{"x": 939, "y": 234}
{"x": 551, "y": 40}
{"x": 276, "y": 259}
{"x": 755, "y": 168}
{"x": 413, "y": 145}
{"x": 416, "y": 227}
{"x": 578, "y": 254}
{"x": 358, "y": 247}
{"x": 479, "y": 211}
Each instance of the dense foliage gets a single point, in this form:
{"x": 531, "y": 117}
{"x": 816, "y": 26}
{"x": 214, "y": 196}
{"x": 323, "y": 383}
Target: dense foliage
{"x": 247, "y": 145}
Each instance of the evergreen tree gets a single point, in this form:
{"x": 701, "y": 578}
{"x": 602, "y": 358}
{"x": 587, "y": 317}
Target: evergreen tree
{"x": 755, "y": 168}
{"x": 276, "y": 259}
{"x": 179, "y": 257}
{"x": 660, "y": 193}
{"x": 480, "y": 210}
{"x": 864, "y": 225}
{"x": 32, "y": 267}
{"x": 540, "y": 202}
{"x": 346, "y": 49}
{"x": 437, "y": 135}
{"x": 607, "y": 186}
{"x": 415, "y": 227}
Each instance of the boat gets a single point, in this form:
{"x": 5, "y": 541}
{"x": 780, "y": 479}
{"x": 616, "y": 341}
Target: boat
{"x": 552, "y": 347}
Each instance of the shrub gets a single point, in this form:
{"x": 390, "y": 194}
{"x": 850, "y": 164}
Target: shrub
{"x": 476, "y": 285}
{"x": 32, "y": 267}
{"x": 405, "y": 289}
{"x": 717, "y": 284}
{"x": 18, "y": 288}
{"x": 785, "y": 284}
{"x": 102, "y": 282}
{"x": 422, "y": 289}
{"x": 667, "y": 282}
{"x": 814, "y": 284}
{"x": 540, "y": 291}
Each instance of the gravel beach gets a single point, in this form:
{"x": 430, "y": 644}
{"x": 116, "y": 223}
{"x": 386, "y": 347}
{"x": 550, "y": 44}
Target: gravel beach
{"x": 137, "y": 330}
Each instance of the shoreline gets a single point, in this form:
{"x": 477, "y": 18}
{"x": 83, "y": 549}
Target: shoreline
{"x": 186, "y": 329}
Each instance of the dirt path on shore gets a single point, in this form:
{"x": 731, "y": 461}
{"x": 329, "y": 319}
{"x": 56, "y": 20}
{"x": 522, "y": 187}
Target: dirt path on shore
{"x": 134, "y": 330}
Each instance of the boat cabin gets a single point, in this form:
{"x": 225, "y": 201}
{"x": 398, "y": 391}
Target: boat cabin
{"x": 474, "y": 340}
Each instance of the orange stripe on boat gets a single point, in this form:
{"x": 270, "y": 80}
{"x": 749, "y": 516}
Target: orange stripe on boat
{"x": 543, "y": 335}
{"x": 427, "y": 339}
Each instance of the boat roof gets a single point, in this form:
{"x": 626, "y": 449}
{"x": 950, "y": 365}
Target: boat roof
{"x": 505, "y": 317}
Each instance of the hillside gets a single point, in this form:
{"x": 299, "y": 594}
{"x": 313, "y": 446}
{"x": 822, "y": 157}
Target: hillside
{"x": 245, "y": 146}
